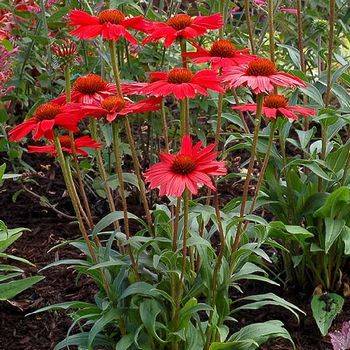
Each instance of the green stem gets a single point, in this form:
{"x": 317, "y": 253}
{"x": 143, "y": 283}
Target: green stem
{"x": 211, "y": 333}
{"x": 330, "y": 51}
{"x": 114, "y": 62}
{"x": 119, "y": 171}
{"x": 79, "y": 176}
{"x": 264, "y": 166}
{"x": 271, "y": 11}
{"x": 249, "y": 25}
{"x": 137, "y": 168}
{"x": 219, "y": 120}
{"x": 184, "y": 117}
{"x": 259, "y": 105}
{"x": 165, "y": 127}
{"x": 186, "y": 201}
{"x": 73, "y": 196}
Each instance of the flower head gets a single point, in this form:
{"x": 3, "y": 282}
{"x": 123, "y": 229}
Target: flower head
{"x": 66, "y": 144}
{"x": 182, "y": 26}
{"x": 221, "y": 54}
{"x": 113, "y": 107}
{"x": 44, "y": 119}
{"x": 182, "y": 83}
{"x": 277, "y": 106}
{"x": 135, "y": 87}
{"x": 189, "y": 169}
{"x": 89, "y": 89}
{"x": 260, "y": 75}
{"x": 111, "y": 24}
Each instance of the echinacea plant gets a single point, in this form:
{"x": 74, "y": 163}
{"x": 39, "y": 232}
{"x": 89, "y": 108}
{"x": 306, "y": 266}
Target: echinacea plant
{"x": 173, "y": 254}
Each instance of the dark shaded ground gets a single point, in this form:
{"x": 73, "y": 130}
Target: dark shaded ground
{"x": 43, "y": 331}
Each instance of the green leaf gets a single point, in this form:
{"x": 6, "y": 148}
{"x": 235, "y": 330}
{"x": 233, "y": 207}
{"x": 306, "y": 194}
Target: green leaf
{"x": 336, "y": 203}
{"x": 346, "y": 240}
{"x": 149, "y": 310}
{"x": 109, "y": 219}
{"x": 235, "y": 345}
{"x": 333, "y": 230}
{"x": 260, "y": 333}
{"x": 267, "y": 299}
{"x": 81, "y": 340}
{"x": 64, "y": 306}
{"x": 10, "y": 289}
{"x": 101, "y": 323}
{"x": 325, "y": 308}
{"x": 125, "y": 342}
{"x": 313, "y": 93}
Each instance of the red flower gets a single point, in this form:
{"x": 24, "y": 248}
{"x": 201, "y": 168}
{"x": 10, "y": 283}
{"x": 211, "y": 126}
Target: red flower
{"x": 182, "y": 83}
{"x": 221, "y": 54}
{"x": 89, "y": 89}
{"x": 44, "y": 119}
{"x": 277, "y": 106}
{"x": 182, "y": 26}
{"x": 114, "y": 107}
{"x": 190, "y": 168}
{"x": 110, "y": 24}
{"x": 135, "y": 87}
{"x": 66, "y": 144}
{"x": 260, "y": 75}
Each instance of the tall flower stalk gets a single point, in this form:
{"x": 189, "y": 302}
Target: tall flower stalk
{"x": 74, "y": 154}
{"x": 239, "y": 232}
{"x": 136, "y": 162}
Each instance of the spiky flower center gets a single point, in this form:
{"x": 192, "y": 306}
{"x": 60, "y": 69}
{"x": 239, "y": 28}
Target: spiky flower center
{"x": 222, "y": 48}
{"x": 275, "y": 101}
{"x": 111, "y": 16}
{"x": 180, "y": 21}
{"x": 90, "y": 84}
{"x": 65, "y": 141}
{"x": 261, "y": 67}
{"x": 180, "y": 75}
{"x": 183, "y": 165}
{"x": 153, "y": 77}
{"x": 64, "y": 49}
{"x": 113, "y": 103}
{"x": 47, "y": 111}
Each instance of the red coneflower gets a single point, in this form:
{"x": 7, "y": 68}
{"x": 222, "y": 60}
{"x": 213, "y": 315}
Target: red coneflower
{"x": 182, "y": 83}
{"x": 135, "y": 87}
{"x": 260, "y": 75}
{"x": 113, "y": 107}
{"x": 66, "y": 145}
{"x": 221, "y": 54}
{"x": 277, "y": 106}
{"x": 182, "y": 26}
{"x": 44, "y": 119}
{"x": 89, "y": 89}
{"x": 190, "y": 168}
{"x": 111, "y": 24}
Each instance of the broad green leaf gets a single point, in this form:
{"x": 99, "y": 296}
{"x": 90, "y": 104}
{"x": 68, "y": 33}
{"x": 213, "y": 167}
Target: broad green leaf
{"x": 325, "y": 308}
{"x": 333, "y": 230}
{"x": 235, "y": 345}
{"x": 81, "y": 340}
{"x": 101, "y": 323}
{"x": 261, "y": 332}
{"x": 125, "y": 342}
{"x": 109, "y": 219}
{"x": 149, "y": 310}
{"x": 10, "y": 289}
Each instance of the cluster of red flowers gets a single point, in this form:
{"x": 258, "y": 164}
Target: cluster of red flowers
{"x": 91, "y": 96}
